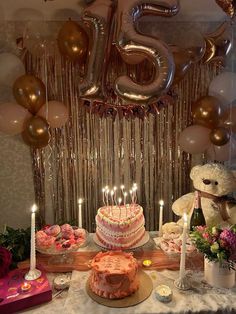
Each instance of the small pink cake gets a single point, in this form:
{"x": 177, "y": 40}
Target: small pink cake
{"x": 120, "y": 227}
{"x": 53, "y": 230}
{"x": 114, "y": 274}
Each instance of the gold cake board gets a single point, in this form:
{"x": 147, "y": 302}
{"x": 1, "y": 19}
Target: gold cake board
{"x": 143, "y": 241}
{"x": 144, "y": 291}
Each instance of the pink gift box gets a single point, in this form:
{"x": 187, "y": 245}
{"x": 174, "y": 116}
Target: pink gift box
{"x": 15, "y": 296}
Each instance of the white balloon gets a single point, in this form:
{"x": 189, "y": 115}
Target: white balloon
{"x": 11, "y": 67}
{"x": 223, "y": 86}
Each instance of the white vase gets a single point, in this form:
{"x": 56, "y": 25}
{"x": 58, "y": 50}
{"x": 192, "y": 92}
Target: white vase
{"x": 218, "y": 274}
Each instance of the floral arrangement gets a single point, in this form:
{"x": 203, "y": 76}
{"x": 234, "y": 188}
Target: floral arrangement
{"x": 217, "y": 244}
{"x": 17, "y": 241}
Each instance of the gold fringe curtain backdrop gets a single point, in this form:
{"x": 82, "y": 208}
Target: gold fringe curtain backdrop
{"x": 90, "y": 152}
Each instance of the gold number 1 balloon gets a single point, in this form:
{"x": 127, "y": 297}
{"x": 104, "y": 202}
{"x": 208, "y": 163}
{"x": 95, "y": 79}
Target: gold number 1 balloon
{"x": 129, "y": 41}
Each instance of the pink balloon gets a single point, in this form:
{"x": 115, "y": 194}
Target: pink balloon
{"x": 195, "y": 139}
{"x": 222, "y": 153}
{"x": 12, "y": 118}
{"x": 56, "y": 113}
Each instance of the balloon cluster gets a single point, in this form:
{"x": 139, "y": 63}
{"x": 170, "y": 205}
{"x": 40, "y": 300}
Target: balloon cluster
{"x": 31, "y": 114}
{"x": 214, "y": 118}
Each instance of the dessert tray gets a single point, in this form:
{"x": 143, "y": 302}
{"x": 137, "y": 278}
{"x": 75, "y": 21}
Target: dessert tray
{"x": 60, "y": 241}
{"x": 139, "y": 244}
{"x": 171, "y": 244}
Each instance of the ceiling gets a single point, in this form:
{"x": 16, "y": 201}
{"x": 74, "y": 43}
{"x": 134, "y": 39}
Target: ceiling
{"x": 191, "y": 10}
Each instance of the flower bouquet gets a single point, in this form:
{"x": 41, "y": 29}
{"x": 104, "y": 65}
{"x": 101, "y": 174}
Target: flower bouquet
{"x": 219, "y": 248}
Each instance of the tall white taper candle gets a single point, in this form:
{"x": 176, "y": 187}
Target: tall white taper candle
{"x": 80, "y": 201}
{"x": 183, "y": 247}
{"x": 161, "y": 203}
{"x": 32, "y": 243}
{"x": 33, "y": 273}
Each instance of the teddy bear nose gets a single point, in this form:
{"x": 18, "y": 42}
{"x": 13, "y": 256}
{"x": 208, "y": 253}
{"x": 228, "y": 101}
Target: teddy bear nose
{"x": 206, "y": 181}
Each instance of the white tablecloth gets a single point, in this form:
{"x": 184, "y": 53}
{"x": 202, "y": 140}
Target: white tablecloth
{"x": 200, "y": 299}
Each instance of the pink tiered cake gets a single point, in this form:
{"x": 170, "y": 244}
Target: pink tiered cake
{"x": 120, "y": 227}
{"x": 114, "y": 275}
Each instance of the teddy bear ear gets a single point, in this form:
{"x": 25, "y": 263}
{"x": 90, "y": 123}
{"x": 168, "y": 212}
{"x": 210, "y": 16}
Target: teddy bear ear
{"x": 194, "y": 171}
{"x": 234, "y": 173}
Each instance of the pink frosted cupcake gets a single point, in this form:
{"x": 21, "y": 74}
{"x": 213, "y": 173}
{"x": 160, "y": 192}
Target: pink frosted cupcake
{"x": 66, "y": 231}
{"x": 53, "y": 230}
{"x": 79, "y": 233}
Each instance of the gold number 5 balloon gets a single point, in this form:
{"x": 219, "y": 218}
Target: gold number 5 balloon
{"x": 129, "y": 42}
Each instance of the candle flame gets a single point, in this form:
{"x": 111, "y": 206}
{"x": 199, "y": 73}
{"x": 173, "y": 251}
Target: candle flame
{"x": 125, "y": 194}
{"x": 135, "y": 185}
{"x": 122, "y": 186}
{"x": 103, "y": 190}
{"x": 119, "y": 200}
{"x": 112, "y": 192}
{"x": 130, "y": 191}
{"x": 161, "y": 202}
{"x": 80, "y": 201}
{"x": 106, "y": 187}
{"x": 115, "y": 188}
{"x": 134, "y": 188}
{"x": 34, "y": 208}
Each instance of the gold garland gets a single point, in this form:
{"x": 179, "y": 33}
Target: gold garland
{"x": 91, "y": 152}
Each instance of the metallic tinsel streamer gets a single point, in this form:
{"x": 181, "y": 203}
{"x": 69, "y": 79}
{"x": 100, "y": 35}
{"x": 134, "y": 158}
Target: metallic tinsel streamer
{"x": 91, "y": 152}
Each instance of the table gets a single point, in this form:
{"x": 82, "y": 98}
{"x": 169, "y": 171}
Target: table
{"x": 200, "y": 299}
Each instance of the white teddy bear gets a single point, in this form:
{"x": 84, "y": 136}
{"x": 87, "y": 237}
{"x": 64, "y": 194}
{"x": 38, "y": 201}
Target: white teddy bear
{"x": 215, "y": 182}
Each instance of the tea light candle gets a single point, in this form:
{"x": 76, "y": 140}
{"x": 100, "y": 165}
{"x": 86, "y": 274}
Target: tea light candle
{"x": 61, "y": 282}
{"x": 163, "y": 293}
{"x": 25, "y": 286}
{"x": 147, "y": 263}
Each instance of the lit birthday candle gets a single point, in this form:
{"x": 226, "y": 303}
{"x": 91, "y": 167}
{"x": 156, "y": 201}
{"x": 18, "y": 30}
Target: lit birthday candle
{"x": 122, "y": 187}
{"x": 119, "y": 203}
{"x": 103, "y": 196}
{"x": 161, "y": 203}
{"x": 134, "y": 189}
{"x": 115, "y": 189}
{"x": 80, "y": 201}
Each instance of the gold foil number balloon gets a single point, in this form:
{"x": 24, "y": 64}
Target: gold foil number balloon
{"x": 97, "y": 16}
{"x": 129, "y": 41}
{"x": 30, "y": 92}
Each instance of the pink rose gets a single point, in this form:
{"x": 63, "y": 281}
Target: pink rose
{"x": 5, "y": 261}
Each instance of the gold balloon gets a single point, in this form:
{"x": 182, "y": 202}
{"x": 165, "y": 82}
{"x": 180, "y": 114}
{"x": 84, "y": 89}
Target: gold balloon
{"x": 207, "y": 111}
{"x": 182, "y": 61}
{"x": 36, "y": 133}
{"x": 228, "y": 6}
{"x": 30, "y": 92}
{"x": 220, "y": 136}
{"x": 218, "y": 44}
{"x": 73, "y": 41}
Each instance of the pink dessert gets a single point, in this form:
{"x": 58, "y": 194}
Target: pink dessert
{"x": 120, "y": 227}
{"x": 67, "y": 231}
{"x": 114, "y": 274}
{"x": 56, "y": 239}
{"x": 43, "y": 240}
{"x": 53, "y": 230}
